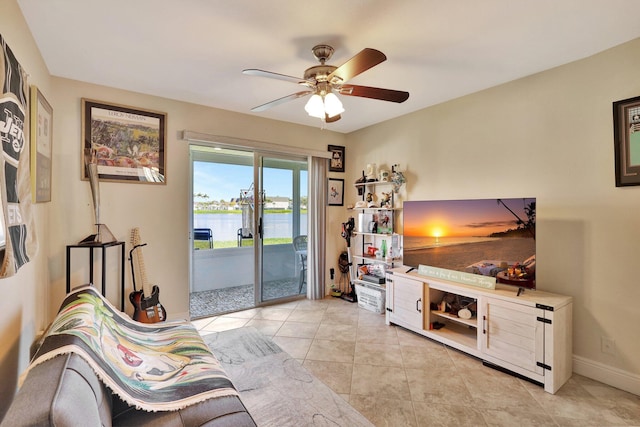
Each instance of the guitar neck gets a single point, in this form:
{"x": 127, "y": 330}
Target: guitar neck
{"x": 142, "y": 271}
{"x": 138, "y": 259}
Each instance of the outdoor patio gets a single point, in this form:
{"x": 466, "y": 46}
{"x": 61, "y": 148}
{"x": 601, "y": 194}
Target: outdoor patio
{"x": 225, "y": 300}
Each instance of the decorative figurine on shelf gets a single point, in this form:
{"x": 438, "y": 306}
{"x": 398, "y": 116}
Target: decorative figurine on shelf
{"x": 384, "y": 175}
{"x": 390, "y": 254}
{"x": 360, "y": 204}
{"x": 397, "y": 178}
{"x": 370, "y": 202}
{"x": 371, "y": 172}
{"x": 103, "y": 234}
{"x": 386, "y": 200}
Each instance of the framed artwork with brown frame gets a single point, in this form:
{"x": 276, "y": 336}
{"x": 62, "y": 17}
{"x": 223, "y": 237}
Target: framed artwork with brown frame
{"x": 41, "y": 146}
{"x": 626, "y": 136}
{"x": 129, "y": 142}
{"x": 335, "y": 192}
{"x": 336, "y": 162}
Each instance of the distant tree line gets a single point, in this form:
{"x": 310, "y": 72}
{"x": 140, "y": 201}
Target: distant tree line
{"x": 202, "y": 202}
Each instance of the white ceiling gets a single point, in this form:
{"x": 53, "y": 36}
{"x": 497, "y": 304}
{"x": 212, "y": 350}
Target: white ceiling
{"x": 437, "y": 50}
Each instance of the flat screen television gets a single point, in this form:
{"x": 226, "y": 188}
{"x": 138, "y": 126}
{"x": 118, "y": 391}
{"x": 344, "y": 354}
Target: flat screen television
{"x": 492, "y": 237}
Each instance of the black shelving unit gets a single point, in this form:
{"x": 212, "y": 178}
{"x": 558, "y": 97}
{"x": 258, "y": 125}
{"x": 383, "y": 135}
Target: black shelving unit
{"x": 92, "y": 247}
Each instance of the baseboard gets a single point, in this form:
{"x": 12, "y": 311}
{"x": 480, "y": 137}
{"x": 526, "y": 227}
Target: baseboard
{"x": 614, "y": 377}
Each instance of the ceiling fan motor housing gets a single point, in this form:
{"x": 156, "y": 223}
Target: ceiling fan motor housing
{"x": 322, "y": 52}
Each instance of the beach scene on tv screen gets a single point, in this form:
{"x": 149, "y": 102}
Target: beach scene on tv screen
{"x": 481, "y": 236}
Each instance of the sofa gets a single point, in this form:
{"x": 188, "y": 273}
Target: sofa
{"x": 66, "y": 390}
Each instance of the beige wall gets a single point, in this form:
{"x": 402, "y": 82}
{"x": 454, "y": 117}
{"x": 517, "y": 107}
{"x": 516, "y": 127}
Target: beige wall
{"x": 547, "y": 136}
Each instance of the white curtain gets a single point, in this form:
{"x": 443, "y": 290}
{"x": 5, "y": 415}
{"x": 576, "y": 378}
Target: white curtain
{"x": 316, "y": 229}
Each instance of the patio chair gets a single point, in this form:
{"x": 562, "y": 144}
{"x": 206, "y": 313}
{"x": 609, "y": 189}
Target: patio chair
{"x": 244, "y": 233}
{"x": 203, "y": 234}
{"x": 300, "y": 247}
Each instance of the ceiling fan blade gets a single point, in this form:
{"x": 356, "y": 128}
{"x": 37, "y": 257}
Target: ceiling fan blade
{"x": 335, "y": 118}
{"x": 272, "y": 75}
{"x": 360, "y": 63}
{"x": 281, "y": 100}
{"x": 374, "y": 93}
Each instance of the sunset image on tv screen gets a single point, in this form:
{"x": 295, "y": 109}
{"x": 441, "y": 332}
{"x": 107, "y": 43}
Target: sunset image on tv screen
{"x": 478, "y": 235}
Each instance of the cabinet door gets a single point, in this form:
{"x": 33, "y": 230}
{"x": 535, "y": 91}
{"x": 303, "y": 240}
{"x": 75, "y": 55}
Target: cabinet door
{"x": 513, "y": 334}
{"x": 407, "y": 302}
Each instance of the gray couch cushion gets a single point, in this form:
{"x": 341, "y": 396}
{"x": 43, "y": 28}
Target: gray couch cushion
{"x": 61, "y": 392}
{"x": 225, "y": 411}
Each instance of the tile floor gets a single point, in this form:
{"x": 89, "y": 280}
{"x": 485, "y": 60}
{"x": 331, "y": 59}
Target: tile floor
{"x": 397, "y": 378}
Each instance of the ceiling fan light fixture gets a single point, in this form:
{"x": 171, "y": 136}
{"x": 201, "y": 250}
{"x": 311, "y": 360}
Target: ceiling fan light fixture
{"x": 315, "y": 106}
{"x": 332, "y": 105}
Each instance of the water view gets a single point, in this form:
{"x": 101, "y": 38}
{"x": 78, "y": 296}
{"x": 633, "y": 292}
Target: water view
{"x": 225, "y": 226}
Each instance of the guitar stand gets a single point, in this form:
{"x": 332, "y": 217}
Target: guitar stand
{"x": 133, "y": 270}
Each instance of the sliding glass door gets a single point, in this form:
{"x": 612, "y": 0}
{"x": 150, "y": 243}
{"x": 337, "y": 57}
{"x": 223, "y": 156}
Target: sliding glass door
{"x": 283, "y": 220}
{"x": 247, "y": 210}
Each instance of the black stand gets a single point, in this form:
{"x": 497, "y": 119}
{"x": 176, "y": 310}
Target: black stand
{"x": 92, "y": 247}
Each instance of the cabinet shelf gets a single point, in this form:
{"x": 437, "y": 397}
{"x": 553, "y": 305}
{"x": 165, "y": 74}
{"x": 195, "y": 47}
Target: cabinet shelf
{"x": 457, "y": 333}
{"x": 376, "y": 209}
{"x": 377, "y": 260}
{"x": 370, "y": 284}
{"x": 364, "y": 184}
{"x": 473, "y": 322}
{"x": 374, "y": 234}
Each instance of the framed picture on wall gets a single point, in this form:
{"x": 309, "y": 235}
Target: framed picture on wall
{"x": 335, "y": 192}
{"x": 626, "y": 135}
{"x": 41, "y": 146}
{"x": 336, "y": 162}
{"x": 129, "y": 142}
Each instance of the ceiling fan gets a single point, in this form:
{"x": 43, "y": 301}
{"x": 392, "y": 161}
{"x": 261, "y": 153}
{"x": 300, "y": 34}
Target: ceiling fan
{"x": 324, "y": 81}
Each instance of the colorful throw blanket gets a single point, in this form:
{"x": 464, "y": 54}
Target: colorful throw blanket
{"x": 154, "y": 367}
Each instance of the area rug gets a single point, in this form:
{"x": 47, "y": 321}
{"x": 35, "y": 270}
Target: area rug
{"x": 276, "y": 389}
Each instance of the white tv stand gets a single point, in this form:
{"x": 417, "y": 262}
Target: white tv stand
{"x": 530, "y": 334}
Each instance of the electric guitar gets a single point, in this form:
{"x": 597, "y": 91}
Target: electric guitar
{"x": 146, "y": 302}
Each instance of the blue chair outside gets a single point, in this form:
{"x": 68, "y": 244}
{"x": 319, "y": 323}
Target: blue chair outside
{"x": 203, "y": 234}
